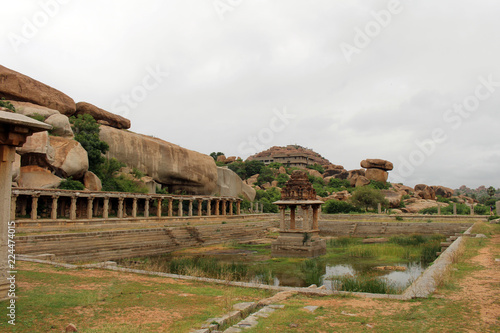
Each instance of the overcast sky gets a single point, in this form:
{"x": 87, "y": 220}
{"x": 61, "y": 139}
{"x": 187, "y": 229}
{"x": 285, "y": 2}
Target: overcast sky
{"x": 413, "y": 82}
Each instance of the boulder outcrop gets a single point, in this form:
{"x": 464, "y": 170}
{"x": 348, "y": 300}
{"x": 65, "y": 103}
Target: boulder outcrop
{"x": 103, "y": 117}
{"x": 60, "y": 125}
{"x": 33, "y": 176}
{"x": 70, "y": 158}
{"x": 92, "y": 182}
{"x": 169, "y": 164}
{"x": 230, "y": 184}
{"x": 19, "y": 87}
{"x": 378, "y": 175}
{"x": 30, "y": 109}
{"x": 375, "y": 163}
{"x": 393, "y": 197}
{"x": 425, "y": 192}
{"x": 443, "y": 191}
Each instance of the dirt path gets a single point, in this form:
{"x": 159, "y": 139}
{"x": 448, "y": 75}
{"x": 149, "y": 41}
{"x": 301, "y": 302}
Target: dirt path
{"x": 482, "y": 288}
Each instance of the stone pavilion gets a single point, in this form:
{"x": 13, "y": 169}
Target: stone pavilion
{"x": 299, "y": 231}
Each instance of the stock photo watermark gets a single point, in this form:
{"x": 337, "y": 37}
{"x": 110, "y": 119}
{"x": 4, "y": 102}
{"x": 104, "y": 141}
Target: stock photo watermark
{"x": 363, "y": 37}
{"x": 223, "y": 7}
{"x": 11, "y": 272}
{"x": 277, "y": 124}
{"x": 152, "y": 80}
{"x": 453, "y": 118}
{"x": 31, "y": 26}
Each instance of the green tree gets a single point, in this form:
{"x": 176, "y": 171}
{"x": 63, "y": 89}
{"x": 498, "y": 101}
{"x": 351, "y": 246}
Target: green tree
{"x": 266, "y": 176}
{"x": 338, "y": 207}
{"x": 282, "y": 179}
{"x": 215, "y": 155}
{"x": 317, "y": 167}
{"x": 253, "y": 167}
{"x": 275, "y": 165}
{"x": 366, "y": 197}
{"x": 86, "y": 132}
{"x": 239, "y": 168}
{"x": 491, "y": 191}
{"x": 70, "y": 184}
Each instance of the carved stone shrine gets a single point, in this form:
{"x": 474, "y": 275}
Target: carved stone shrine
{"x": 299, "y": 231}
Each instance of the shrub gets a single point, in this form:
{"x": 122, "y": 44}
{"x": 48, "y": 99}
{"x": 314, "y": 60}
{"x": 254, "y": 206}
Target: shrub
{"x": 267, "y": 198}
{"x": 7, "y": 104}
{"x": 481, "y": 210}
{"x": 86, "y": 132}
{"x": 337, "y": 185}
{"x": 282, "y": 179}
{"x": 38, "y": 117}
{"x": 367, "y": 197}
{"x": 137, "y": 173}
{"x": 380, "y": 185}
{"x": 338, "y": 207}
{"x": 317, "y": 167}
{"x": 70, "y": 184}
{"x": 442, "y": 199}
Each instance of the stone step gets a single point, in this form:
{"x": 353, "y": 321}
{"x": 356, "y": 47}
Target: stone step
{"x": 445, "y": 244}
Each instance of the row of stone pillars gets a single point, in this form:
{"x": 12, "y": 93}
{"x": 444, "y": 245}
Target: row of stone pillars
{"x": 310, "y": 217}
{"x": 99, "y": 203}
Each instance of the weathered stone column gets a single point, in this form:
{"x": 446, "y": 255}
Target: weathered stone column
{"x": 305, "y": 213}
{"x": 159, "y": 201}
{"x": 146, "y": 207}
{"x": 105, "y": 208}
{"x": 282, "y": 217}
{"x": 34, "y": 206}
{"x": 72, "y": 208}
{"x": 217, "y": 204}
{"x": 179, "y": 210}
{"x": 190, "y": 207}
{"x": 379, "y": 208}
{"x": 14, "y": 129}
{"x": 292, "y": 217}
{"x": 315, "y": 217}
{"x": 472, "y": 209}
{"x": 200, "y": 206}
{"x": 90, "y": 201}
{"x": 13, "y": 202}
{"x": 170, "y": 207}
{"x": 224, "y": 207}
{"x": 231, "y": 207}
{"x": 53, "y": 211}
{"x": 439, "y": 210}
{"x": 134, "y": 207}
{"x": 454, "y": 208}
{"x": 209, "y": 207}
{"x": 238, "y": 207}
{"x": 120, "y": 207}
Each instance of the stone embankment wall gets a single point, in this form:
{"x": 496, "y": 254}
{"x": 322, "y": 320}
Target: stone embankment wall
{"x": 117, "y": 244}
{"x": 380, "y": 229}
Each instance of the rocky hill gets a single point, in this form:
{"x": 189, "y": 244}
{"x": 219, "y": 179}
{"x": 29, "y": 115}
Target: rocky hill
{"x": 314, "y": 157}
{"x": 49, "y": 157}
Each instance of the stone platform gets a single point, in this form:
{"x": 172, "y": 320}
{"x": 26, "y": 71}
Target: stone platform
{"x": 299, "y": 244}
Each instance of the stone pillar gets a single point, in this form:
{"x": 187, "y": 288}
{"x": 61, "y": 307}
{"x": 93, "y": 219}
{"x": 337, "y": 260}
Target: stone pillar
{"x": 224, "y": 208}
{"x": 209, "y": 207}
{"x": 217, "y": 204}
{"x": 34, "y": 206}
{"x": 89, "y": 207}
{"x": 282, "y": 217}
{"x": 190, "y": 208}
{"x": 170, "y": 207}
{"x": 439, "y": 210}
{"x": 307, "y": 223}
{"x": 238, "y": 207}
{"x": 472, "y": 209}
{"x": 200, "y": 206}
{"x": 13, "y": 202}
{"x": 120, "y": 207}
{"x": 315, "y": 217}
{"x": 379, "y": 208}
{"x": 72, "y": 208}
{"x": 105, "y": 208}
{"x": 292, "y": 217}
{"x": 53, "y": 212}
{"x": 146, "y": 207}
{"x": 454, "y": 208}
{"x": 159, "y": 201}
{"x": 230, "y": 207}
{"x": 180, "y": 213}
{"x": 134, "y": 207}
